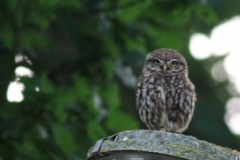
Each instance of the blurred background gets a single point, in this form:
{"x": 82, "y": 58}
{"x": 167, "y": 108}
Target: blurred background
{"x": 69, "y": 70}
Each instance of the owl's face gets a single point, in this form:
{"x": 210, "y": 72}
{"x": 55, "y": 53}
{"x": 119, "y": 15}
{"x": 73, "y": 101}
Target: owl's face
{"x": 166, "y": 62}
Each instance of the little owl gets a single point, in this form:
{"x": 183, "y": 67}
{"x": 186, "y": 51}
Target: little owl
{"x": 165, "y": 95}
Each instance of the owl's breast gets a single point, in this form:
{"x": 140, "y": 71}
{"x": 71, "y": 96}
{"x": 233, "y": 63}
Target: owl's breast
{"x": 180, "y": 97}
{"x": 150, "y": 93}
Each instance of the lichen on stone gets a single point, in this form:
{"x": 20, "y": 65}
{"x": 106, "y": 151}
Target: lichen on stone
{"x": 175, "y": 145}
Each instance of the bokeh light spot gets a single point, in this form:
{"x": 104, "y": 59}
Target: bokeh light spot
{"x": 200, "y": 46}
{"x": 226, "y": 37}
{"x": 14, "y": 92}
{"x": 23, "y": 71}
{"x": 232, "y": 117}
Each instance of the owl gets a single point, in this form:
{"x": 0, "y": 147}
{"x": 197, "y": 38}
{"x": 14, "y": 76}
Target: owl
{"x": 165, "y": 96}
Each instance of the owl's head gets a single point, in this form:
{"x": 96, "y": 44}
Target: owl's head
{"x": 166, "y": 62}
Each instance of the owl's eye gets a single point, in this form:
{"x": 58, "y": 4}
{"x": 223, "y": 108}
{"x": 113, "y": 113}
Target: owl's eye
{"x": 156, "y": 62}
{"x": 174, "y": 63}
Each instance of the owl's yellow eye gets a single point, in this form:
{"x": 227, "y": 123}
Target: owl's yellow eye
{"x": 156, "y": 62}
{"x": 174, "y": 63}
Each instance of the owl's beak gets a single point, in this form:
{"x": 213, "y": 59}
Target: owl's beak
{"x": 164, "y": 68}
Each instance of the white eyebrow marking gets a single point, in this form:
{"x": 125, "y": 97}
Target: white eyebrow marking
{"x": 159, "y": 60}
{"x": 174, "y": 60}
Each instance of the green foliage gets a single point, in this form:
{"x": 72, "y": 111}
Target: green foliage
{"x": 95, "y": 131}
{"x": 65, "y": 140}
{"x": 131, "y": 10}
{"x": 7, "y": 34}
{"x": 73, "y": 47}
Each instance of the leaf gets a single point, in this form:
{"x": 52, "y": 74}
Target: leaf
{"x": 6, "y": 35}
{"x": 108, "y": 66}
{"x": 66, "y": 96}
{"x": 206, "y": 13}
{"x": 111, "y": 95}
{"x": 165, "y": 37}
{"x": 38, "y": 19}
{"x": 133, "y": 43}
{"x": 120, "y": 121}
{"x": 131, "y": 10}
{"x": 73, "y": 4}
{"x": 111, "y": 46}
{"x": 35, "y": 39}
{"x": 65, "y": 140}
{"x": 169, "y": 39}
{"x": 11, "y": 4}
{"x": 60, "y": 114}
{"x": 82, "y": 87}
{"x": 47, "y": 86}
{"x": 48, "y": 4}
{"x": 180, "y": 16}
{"x": 95, "y": 131}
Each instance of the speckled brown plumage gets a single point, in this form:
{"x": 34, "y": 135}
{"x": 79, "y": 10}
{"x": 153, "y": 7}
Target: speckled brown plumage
{"x": 165, "y": 96}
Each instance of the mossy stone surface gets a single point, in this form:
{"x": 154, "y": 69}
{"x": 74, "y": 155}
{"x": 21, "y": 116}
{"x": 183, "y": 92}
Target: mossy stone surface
{"x": 176, "y": 145}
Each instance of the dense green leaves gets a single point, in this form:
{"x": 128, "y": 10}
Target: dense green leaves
{"x": 86, "y": 56}
{"x": 131, "y": 10}
{"x": 7, "y": 34}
